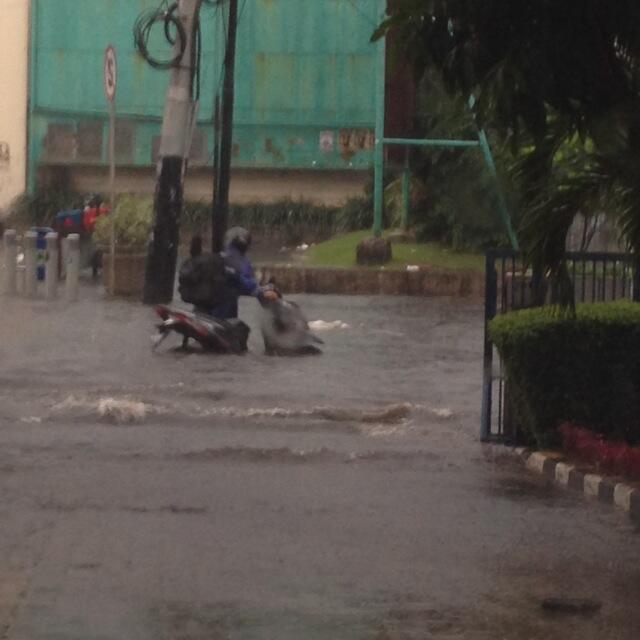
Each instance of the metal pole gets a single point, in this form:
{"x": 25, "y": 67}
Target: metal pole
{"x": 490, "y": 310}
{"x": 31, "y": 264}
{"x": 10, "y": 257}
{"x": 177, "y": 121}
{"x": 112, "y": 193}
{"x": 221, "y": 212}
{"x": 216, "y": 169}
{"x": 406, "y": 192}
{"x": 502, "y": 202}
{"x": 73, "y": 267}
{"x": 51, "y": 268}
{"x": 378, "y": 191}
{"x": 431, "y": 142}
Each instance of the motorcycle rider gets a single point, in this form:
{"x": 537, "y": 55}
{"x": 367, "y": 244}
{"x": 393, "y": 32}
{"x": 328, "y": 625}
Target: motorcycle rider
{"x": 241, "y": 280}
{"x": 226, "y": 287}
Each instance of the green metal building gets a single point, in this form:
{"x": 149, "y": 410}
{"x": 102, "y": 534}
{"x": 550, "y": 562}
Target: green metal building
{"x": 305, "y": 95}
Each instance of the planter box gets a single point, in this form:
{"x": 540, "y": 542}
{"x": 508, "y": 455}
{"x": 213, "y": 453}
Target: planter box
{"x": 129, "y": 273}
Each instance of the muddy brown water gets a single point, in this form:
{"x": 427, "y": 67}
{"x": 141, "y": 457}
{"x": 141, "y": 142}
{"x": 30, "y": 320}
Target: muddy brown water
{"x": 181, "y": 495}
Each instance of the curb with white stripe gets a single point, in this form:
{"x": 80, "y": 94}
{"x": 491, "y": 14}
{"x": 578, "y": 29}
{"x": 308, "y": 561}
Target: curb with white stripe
{"x": 592, "y": 485}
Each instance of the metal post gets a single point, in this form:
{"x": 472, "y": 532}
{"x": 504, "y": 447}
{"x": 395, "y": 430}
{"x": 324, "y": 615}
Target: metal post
{"x": 406, "y": 192}
{"x": 378, "y": 191}
{"x": 216, "y": 168}
{"x": 223, "y": 175}
{"x": 31, "y": 264}
{"x": 490, "y": 309}
{"x": 636, "y": 279}
{"x": 51, "y": 267}
{"x": 10, "y": 257}
{"x": 73, "y": 267}
{"x": 502, "y": 202}
{"x": 177, "y": 122}
{"x": 112, "y": 192}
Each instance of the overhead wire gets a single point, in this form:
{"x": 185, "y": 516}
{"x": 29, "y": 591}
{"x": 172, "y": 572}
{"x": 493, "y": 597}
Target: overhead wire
{"x": 166, "y": 17}
{"x": 174, "y": 32}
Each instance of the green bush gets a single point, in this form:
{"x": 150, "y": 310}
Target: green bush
{"x": 356, "y": 214}
{"x": 39, "y": 209}
{"x": 584, "y": 369}
{"x": 133, "y": 218}
{"x": 292, "y": 220}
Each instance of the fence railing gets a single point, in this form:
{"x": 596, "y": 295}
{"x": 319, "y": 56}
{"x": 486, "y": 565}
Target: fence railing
{"x": 510, "y": 284}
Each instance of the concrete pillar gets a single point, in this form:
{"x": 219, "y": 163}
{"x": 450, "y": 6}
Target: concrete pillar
{"x": 51, "y": 268}
{"x": 30, "y": 264}
{"x": 73, "y": 267}
{"x": 10, "y": 256}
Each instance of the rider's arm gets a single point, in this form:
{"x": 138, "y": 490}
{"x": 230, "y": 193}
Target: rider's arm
{"x": 245, "y": 280}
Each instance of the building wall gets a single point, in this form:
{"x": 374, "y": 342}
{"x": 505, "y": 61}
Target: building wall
{"x": 305, "y": 94}
{"x": 330, "y": 187}
{"x": 14, "y": 54}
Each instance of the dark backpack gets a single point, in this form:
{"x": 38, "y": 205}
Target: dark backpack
{"x": 202, "y": 280}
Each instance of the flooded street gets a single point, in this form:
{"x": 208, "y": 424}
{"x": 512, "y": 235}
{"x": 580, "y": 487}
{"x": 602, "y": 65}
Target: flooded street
{"x": 191, "y": 496}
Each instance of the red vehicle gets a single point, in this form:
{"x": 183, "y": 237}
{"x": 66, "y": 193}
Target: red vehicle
{"x": 218, "y": 336}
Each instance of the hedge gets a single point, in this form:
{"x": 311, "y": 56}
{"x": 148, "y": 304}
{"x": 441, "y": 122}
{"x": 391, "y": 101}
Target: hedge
{"x": 295, "y": 220}
{"x": 583, "y": 369}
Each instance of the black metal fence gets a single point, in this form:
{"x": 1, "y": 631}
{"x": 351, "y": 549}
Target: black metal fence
{"x": 510, "y": 284}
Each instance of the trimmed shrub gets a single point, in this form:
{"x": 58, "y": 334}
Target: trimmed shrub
{"x": 133, "y": 220}
{"x": 583, "y": 369}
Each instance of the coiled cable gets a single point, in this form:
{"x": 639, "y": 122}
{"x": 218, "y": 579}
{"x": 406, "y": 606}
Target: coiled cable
{"x": 174, "y": 33}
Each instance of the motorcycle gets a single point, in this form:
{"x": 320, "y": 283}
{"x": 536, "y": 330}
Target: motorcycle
{"x": 285, "y": 330}
{"x": 218, "y": 336}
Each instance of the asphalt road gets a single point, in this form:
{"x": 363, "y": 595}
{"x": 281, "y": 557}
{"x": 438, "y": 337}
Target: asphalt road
{"x": 189, "y": 496}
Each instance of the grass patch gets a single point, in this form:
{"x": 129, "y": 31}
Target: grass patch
{"x": 340, "y": 251}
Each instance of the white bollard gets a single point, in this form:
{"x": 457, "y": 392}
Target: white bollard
{"x": 10, "y": 257}
{"x": 31, "y": 264}
{"x": 51, "y": 267}
{"x": 20, "y": 264}
{"x": 73, "y": 266}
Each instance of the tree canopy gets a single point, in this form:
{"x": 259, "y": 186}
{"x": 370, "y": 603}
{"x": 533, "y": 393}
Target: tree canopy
{"x": 559, "y": 80}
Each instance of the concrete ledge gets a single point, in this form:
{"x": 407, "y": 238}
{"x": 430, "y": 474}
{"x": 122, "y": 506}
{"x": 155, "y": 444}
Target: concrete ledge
{"x": 592, "y": 486}
{"x": 427, "y": 281}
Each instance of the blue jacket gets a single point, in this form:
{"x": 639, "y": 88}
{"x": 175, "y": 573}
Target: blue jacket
{"x": 241, "y": 281}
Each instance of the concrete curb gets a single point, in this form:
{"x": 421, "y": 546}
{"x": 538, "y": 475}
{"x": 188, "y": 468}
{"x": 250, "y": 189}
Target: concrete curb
{"x": 591, "y": 485}
{"x": 424, "y": 281}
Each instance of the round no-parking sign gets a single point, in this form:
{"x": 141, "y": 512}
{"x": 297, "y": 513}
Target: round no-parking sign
{"x": 110, "y": 73}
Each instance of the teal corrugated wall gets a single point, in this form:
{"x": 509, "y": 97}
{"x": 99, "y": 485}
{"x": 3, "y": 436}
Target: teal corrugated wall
{"x": 305, "y": 75}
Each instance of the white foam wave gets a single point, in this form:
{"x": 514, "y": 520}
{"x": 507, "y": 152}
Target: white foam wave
{"x": 114, "y": 410}
{"x": 389, "y": 414}
{"x": 322, "y": 325}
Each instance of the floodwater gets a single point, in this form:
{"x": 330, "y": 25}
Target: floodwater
{"x": 193, "y": 496}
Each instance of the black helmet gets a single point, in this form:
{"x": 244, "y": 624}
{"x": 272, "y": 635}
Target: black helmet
{"x": 238, "y": 237}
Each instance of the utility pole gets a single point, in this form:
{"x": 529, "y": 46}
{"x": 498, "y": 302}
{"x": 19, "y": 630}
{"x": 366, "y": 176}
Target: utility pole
{"x": 216, "y": 168}
{"x": 222, "y": 178}
{"x": 378, "y": 154}
{"x": 174, "y": 147}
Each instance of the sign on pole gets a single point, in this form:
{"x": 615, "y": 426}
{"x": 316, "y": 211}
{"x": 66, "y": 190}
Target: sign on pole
{"x": 110, "y": 84}
{"x": 110, "y": 73}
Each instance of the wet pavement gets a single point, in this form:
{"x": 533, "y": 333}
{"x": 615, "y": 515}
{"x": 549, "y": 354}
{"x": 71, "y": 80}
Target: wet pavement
{"x": 188, "y": 496}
